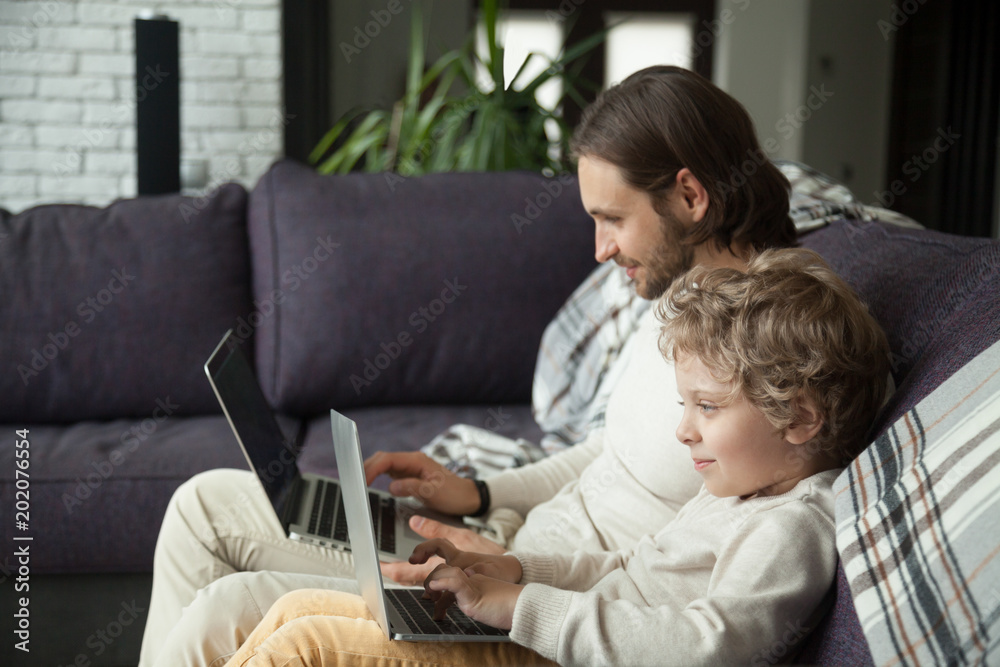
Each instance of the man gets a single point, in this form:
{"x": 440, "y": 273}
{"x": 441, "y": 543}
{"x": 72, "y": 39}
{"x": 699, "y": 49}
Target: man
{"x": 656, "y": 158}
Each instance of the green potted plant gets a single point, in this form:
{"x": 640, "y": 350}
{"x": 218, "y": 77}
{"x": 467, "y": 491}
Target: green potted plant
{"x": 435, "y": 127}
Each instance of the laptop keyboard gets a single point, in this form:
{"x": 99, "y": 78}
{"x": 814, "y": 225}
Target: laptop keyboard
{"x": 327, "y": 517}
{"x": 384, "y": 515}
{"x": 419, "y": 614}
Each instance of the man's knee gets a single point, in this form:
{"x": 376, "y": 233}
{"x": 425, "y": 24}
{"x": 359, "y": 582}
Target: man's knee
{"x": 224, "y": 601}
{"x": 219, "y": 493}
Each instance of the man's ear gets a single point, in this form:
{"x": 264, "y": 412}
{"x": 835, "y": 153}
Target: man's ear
{"x": 808, "y": 422}
{"x": 691, "y": 195}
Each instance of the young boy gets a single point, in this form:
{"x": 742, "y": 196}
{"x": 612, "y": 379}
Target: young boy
{"x": 780, "y": 372}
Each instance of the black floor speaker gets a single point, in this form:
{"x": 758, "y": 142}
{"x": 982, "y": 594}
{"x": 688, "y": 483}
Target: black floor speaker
{"x": 158, "y": 105}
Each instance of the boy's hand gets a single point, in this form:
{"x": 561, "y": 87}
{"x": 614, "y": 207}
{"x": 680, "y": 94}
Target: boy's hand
{"x": 410, "y": 574}
{"x": 504, "y": 568}
{"x": 483, "y": 598}
{"x": 418, "y": 475}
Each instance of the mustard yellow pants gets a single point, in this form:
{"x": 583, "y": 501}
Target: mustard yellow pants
{"x": 326, "y": 628}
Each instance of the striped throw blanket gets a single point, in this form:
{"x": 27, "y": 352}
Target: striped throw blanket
{"x": 918, "y": 526}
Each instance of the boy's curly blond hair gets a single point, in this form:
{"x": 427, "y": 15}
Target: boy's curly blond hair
{"x": 786, "y": 329}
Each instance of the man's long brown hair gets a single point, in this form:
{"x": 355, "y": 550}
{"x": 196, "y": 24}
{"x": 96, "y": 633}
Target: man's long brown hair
{"x": 662, "y": 119}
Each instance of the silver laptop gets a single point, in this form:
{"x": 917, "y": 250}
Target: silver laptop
{"x": 309, "y": 507}
{"x": 402, "y": 613}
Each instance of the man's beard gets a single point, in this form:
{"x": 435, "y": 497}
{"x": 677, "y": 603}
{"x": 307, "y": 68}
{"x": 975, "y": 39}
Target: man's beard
{"x": 669, "y": 259}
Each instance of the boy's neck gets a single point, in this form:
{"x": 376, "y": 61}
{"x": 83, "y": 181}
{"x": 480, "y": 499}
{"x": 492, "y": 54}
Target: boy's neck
{"x": 819, "y": 462}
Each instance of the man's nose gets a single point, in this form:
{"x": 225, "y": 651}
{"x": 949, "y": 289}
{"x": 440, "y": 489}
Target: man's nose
{"x": 604, "y": 245}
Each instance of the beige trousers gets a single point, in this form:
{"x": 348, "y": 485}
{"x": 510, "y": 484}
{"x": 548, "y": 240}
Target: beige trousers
{"x": 324, "y": 628}
{"x": 222, "y": 559}
{"x": 218, "y": 524}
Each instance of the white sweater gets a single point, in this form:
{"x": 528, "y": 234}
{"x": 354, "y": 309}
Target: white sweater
{"x": 624, "y": 481}
{"x": 728, "y": 581}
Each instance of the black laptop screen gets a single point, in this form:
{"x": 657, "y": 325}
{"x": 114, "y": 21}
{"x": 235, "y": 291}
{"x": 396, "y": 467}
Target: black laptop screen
{"x": 272, "y": 455}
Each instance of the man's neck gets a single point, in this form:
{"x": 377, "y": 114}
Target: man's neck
{"x": 733, "y": 257}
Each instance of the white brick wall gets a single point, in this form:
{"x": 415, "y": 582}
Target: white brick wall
{"x": 67, "y": 95}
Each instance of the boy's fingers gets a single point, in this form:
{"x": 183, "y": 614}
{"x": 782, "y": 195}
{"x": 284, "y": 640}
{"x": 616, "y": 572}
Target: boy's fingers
{"x": 436, "y": 547}
{"x": 406, "y": 573}
{"x": 441, "y": 605}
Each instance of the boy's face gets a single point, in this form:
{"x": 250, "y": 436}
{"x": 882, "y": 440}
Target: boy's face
{"x": 734, "y": 447}
{"x": 629, "y": 231}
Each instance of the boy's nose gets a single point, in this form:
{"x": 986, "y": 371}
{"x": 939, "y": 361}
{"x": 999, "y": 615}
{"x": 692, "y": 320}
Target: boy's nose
{"x": 685, "y": 433}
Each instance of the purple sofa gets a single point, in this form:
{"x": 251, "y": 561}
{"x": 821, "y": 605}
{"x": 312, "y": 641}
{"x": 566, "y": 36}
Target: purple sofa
{"x": 410, "y": 304}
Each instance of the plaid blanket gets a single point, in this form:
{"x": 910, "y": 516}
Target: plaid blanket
{"x": 918, "y": 526}
{"x": 583, "y": 350}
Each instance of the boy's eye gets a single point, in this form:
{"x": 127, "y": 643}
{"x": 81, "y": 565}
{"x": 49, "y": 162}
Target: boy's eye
{"x": 705, "y": 407}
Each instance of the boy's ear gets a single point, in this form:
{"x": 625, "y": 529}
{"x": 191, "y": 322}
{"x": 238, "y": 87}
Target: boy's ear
{"x": 808, "y": 422}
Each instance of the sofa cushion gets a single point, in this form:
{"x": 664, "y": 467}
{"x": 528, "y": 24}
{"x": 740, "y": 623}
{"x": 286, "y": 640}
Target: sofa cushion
{"x": 918, "y": 516}
{"x": 106, "y": 311}
{"x": 99, "y": 490}
{"x": 376, "y": 289}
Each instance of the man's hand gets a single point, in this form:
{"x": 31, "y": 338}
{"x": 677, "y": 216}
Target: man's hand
{"x": 410, "y": 574}
{"x": 418, "y": 475}
{"x": 483, "y": 585}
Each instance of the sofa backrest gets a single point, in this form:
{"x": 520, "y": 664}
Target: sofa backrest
{"x": 938, "y": 298}
{"x": 936, "y": 295}
{"x": 377, "y": 289}
{"x": 111, "y": 312}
